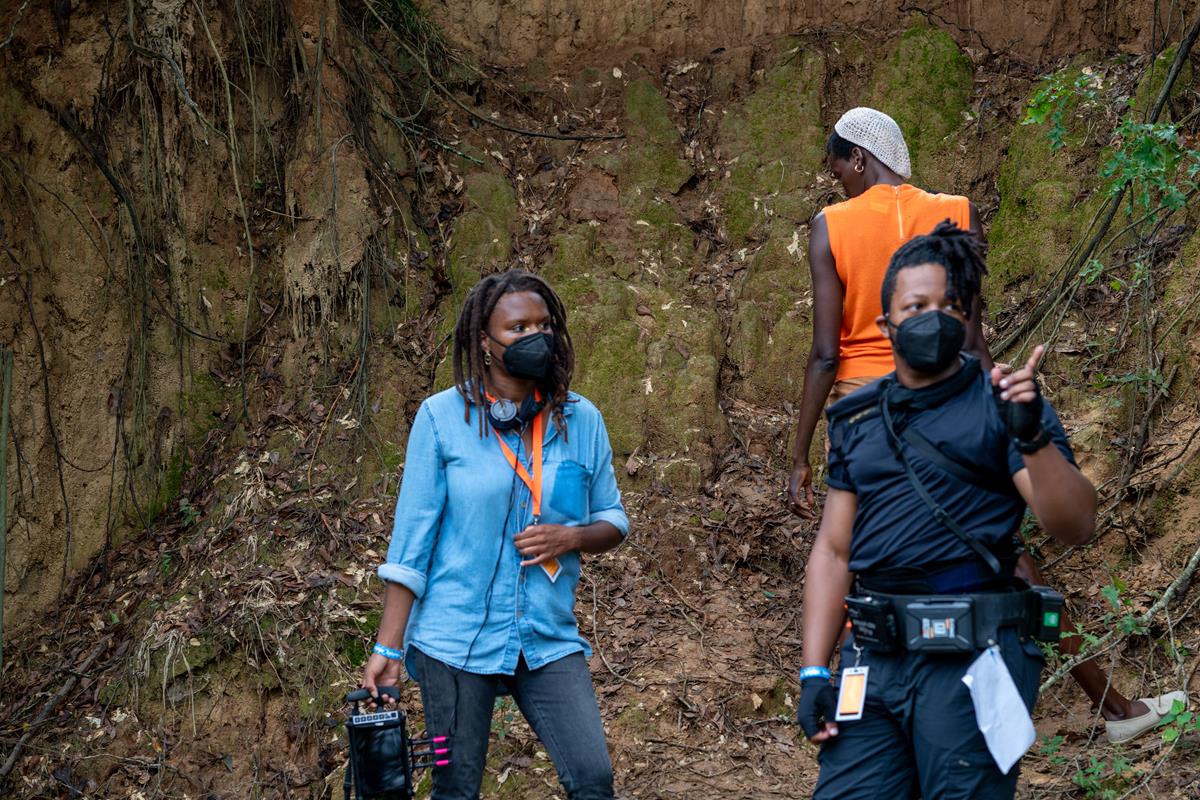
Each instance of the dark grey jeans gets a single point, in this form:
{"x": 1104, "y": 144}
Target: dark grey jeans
{"x": 558, "y": 700}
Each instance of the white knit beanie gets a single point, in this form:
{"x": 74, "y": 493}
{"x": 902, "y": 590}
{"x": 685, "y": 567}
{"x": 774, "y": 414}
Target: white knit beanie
{"x": 878, "y": 133}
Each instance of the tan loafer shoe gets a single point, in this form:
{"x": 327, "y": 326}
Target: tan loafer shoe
{"x": 1124, "y": 730}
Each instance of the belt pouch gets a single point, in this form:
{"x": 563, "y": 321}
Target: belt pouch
{"x": 1046, "y": 622}
{"x": 873, "y": 621}
{"x": 939, "y": 624}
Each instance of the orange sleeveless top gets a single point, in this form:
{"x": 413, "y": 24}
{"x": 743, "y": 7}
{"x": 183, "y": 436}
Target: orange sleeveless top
{"x": 863, "y": 234}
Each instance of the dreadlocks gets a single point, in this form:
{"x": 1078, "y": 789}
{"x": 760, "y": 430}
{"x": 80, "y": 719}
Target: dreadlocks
{"x": 469, "y": 369}
{"x": 951, "y": 247}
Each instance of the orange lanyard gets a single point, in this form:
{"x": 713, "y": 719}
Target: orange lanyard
{"x": 534, "y": 482}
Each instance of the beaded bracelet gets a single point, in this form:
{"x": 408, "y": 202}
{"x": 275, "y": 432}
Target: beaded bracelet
{"x": 395, "y": 655}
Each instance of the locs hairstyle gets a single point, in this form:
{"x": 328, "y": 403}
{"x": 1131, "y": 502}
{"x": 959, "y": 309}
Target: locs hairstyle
{"x": 956, "y": 250}
{"x": 469, "y": 369}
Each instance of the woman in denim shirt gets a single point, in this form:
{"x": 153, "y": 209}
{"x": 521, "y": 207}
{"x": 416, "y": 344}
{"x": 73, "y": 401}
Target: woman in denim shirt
{"x": 480, "y": 590}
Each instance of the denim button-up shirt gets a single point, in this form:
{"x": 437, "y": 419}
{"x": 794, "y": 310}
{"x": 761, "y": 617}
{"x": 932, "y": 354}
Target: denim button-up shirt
{"x": 459, "y": 509}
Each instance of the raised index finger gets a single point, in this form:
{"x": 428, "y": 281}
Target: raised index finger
{"x": 1035, "y": 358}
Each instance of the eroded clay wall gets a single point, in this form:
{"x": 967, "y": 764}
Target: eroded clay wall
{"x": 514, "y": 31}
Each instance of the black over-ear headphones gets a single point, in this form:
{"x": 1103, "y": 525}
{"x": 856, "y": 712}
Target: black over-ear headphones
{"x": 505, "y": 415}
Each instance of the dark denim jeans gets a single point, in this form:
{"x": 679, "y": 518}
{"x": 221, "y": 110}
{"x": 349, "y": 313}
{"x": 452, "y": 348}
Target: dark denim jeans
{"x": 558, "y": 700}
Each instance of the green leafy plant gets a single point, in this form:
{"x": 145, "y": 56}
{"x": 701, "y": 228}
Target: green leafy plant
{"x": 189, "y": 513}
{"x": 1105, "y": 780}
{"x": 503, "y": 720}
{"x": 1121, "y": 617}
{"x": 1050, "y": 746}
{"x": 1143, "y": 380}
{"x": 1054, "y": 99}
{"x": 1178, "y": 721}
{"x": 1091, "y": 270}
{"x": 1147, "y": 161}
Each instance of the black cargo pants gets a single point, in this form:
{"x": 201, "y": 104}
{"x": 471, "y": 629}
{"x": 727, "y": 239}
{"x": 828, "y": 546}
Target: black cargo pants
{"x": 918, "y": 736}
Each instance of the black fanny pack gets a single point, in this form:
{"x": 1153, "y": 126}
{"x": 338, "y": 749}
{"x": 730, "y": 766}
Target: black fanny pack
{"x": 958, "y": 623}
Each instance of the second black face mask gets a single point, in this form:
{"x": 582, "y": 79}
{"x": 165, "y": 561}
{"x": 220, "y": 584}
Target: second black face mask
{"x": 931, "y": 341}
{"x": 530, "y": 356}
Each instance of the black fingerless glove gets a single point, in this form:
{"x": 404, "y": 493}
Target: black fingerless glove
{"x": 818, "y": 704}
{"x": 1023, "y": 421}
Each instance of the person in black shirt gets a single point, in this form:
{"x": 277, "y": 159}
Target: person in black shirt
{"x": 930, "y": 471}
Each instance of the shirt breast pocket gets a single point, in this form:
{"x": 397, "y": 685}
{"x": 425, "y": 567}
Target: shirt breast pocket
{"x": 568, "y": 503}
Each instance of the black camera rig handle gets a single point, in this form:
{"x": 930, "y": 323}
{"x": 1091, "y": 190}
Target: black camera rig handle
{"x": 358, "y": 695}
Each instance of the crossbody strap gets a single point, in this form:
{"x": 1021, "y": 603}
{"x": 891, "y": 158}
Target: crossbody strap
{"x": 939, "y": 513}
{"x": 989, "y": 481}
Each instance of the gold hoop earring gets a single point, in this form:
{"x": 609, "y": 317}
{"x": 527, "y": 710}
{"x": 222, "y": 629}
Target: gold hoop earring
{"x": 487, "y": 357}
{"x": 859, "y": 168}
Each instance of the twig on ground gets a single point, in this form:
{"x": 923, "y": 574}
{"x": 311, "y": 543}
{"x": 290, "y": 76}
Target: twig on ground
{"x": 1111, "y": 638}
{"x": 47, "y": 709}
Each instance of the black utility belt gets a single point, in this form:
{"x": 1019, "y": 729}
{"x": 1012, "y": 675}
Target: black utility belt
{"x": 956, "y": 623}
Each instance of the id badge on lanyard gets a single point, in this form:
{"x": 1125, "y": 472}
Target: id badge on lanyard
{"x": 852, "y": 694}
{"x": 534, "y": 482}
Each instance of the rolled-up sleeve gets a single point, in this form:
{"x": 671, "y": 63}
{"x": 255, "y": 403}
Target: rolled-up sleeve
{"x": 419, "y": 506}
{"x": 604, "y": 497}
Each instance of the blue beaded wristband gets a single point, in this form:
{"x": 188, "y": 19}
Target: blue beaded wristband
{"x": 396, "y": 655}
{"x": 814, "y": 672}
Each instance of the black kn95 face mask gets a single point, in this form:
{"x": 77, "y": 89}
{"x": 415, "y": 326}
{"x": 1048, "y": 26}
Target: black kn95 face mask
{"x": 929, "y": 342}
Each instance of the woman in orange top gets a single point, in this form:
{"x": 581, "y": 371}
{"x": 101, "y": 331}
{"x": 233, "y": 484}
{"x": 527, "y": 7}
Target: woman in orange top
{"x": 850, "y": 244}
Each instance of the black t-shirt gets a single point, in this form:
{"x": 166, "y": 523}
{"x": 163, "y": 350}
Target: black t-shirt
{"x": 893, "y": 526}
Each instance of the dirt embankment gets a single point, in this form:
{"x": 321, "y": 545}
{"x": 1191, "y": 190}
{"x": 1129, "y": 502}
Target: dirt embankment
{"x": 512, "y": 32}
{"x": 285, "y": 201}
{"x": 167, "y": 200}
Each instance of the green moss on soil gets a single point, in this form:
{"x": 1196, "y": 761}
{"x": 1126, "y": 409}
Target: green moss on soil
{"x": 483, "y": 233}
{"x": 635, "y": 721}
{"x": 1151, "y": 84}
{"x": 609, "y": 359}
{"x": 168, "y": 487}
{"x": 771, "y": 330}
{"x": 481, "y": 244}
{"x": 925, "y": 84}
{"x": 648, "y": 116}
{"x": 1181, "y": 309}
{"x": 775, "y": 144}
{"x": 1047, "y": 199}
{"x": 403, "y": 297}
{"x": 649, "y": 166}
{"x": 646, "y": 354}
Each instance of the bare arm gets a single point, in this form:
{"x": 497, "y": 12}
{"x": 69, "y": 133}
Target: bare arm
{"x": 1063, "y": 500}
{"x": 975, "y": 344}
{"x": 397, "y": 605}
{"x": 819, "y": 375}
{"x": 827, "y": 580}
{"x": 597, "y": 537}
{"x": 382, "y": 671}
